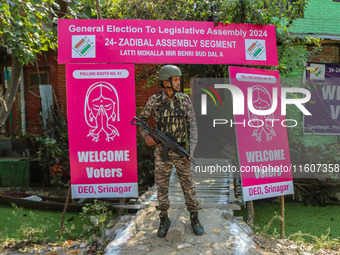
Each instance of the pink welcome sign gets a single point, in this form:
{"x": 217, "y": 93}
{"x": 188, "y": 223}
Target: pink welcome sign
{"x": 162, "y": 41}
{"x": 262, "y": 139}
{"x": 102, "y": 142}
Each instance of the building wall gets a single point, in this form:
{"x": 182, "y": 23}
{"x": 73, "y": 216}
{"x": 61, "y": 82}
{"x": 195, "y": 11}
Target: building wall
{"x": 143, "y": 91}
{"x": 328, "y": 54}
{"x": 47, "y": 68}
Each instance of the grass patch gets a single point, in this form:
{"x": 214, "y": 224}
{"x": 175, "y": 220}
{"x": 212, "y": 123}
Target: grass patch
{"x": 40, "y": 225}
{"x": 312, "y": 220}
{"x": 37, "y": 225}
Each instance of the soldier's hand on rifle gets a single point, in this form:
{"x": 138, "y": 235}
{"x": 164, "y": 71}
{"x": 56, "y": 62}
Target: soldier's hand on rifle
{"x": 149, "y": 140}
{"x": 191, "y": 155}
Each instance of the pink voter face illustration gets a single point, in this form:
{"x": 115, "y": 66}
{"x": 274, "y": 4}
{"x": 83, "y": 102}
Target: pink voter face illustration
{"x": 101, "y": 111}
{"x": 261, "y": 98}
{"x": 101, "y": 105}
{"x": 261, "y": 101}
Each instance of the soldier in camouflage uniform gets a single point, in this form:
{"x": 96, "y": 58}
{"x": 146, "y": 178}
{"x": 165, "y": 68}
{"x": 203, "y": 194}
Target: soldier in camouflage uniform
{"x": 175, "y": 117}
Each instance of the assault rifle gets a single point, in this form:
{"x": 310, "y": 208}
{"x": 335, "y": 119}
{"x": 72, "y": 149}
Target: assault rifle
{"x": 163, "y": 139}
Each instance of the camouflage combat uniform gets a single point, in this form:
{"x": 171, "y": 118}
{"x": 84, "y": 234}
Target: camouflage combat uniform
{"x": 170, "y": 115}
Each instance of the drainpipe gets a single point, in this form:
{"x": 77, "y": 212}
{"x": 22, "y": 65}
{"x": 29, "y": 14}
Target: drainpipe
{"x": 22, "y": 101}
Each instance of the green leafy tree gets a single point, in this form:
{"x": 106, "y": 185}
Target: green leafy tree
{"x": 280, "y": 13}
{"x": 28, "y": 29}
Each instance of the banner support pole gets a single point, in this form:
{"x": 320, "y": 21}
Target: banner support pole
{"x": 282, "y": 217}
{"x": 250, "y": 213}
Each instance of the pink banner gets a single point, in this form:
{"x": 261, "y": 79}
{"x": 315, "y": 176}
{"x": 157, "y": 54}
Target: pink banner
{"x": 102, "y": 142}
{"x": 161, "y": 41}
{"x": 262, "y": 139}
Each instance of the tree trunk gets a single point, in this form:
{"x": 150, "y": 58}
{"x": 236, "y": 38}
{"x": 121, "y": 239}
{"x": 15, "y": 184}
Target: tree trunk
{"x": 250, "y": 213}
{"x": 11, "y": 91}
{"x": 98, "y": 9}
{"x": 177, "y": 229}
{"x": 243, "y": 11}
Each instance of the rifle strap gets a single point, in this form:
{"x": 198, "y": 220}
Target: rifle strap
{"x": 185, "y": 125}
{"x": 159, "y": 101}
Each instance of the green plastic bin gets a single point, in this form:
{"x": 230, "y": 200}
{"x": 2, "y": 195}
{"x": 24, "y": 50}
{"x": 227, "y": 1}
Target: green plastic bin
{"x": 14, "y": 173}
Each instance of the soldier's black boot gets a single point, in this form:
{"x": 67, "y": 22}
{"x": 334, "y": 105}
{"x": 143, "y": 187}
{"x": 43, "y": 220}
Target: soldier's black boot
{"x": 163, "y": 225}
{"x": 196, "y": 225}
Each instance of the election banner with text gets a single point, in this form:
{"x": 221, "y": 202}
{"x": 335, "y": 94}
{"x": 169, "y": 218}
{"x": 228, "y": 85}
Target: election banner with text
{"x": 102, "y": 142}
{"x": 161, "y": 41}
{"x": 325, "y": 101}
{"x": 261, "y": 133}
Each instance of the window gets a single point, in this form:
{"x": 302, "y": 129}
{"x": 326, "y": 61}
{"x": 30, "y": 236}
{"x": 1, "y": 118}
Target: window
{"x": 33, "y": 79}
